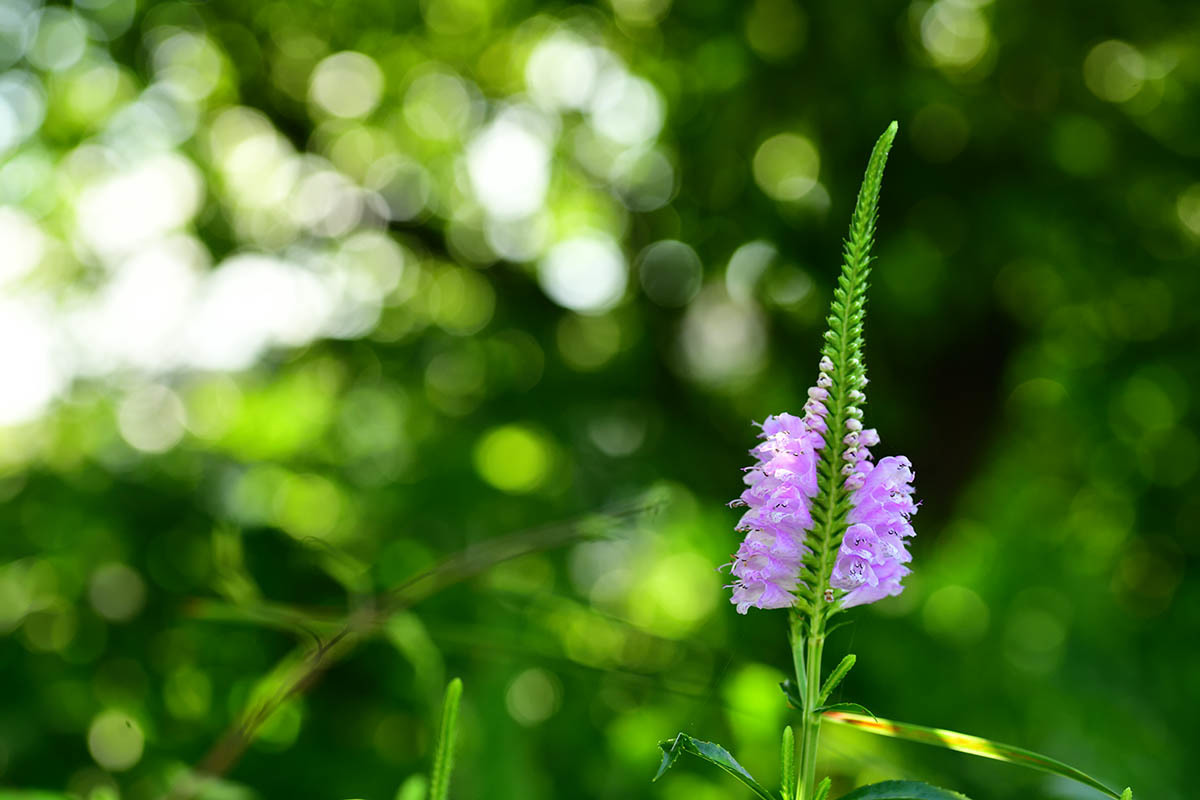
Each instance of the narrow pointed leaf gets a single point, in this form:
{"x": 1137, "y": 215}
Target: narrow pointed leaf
{"x": 671, "y": 753}
{"x": 713, "y": 754}
{"x": 835, "y": 677}
{"x": 965, "y": 743}
{"x": 823, "y": 789}
{"x": 797, "y": 631}
{"x": 443, "y": 760}
{"x": 792, "y": 693}
{"x": 1127, "y": 794}
{"x": 903, "y": 790}
{"x": 853, "y": 708}
{"x": 787, "y": 760}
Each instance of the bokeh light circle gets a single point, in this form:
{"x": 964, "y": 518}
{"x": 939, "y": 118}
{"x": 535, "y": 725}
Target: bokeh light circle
{"x": 347, "y": 84}
{"x": 955, "y": 34}
{"x": 514, "y": 459}
{"x": 117, "y": 592}
{"x": 509, "y": 166}
{"x": 533, "y": 696}
{"x": 561, "y": 71}
{"x": 670, "y": 273}
{"x": 115, "y": 740}
{"x": 786, "y": 166}
{"x": 586, "y": 273}
{"x": 1114, "y": 71}
{"x": 60, "y": 41}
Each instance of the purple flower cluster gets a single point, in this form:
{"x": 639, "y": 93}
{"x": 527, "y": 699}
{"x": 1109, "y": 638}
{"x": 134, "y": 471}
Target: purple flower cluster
{"x": 871, "y": 561}
{"x": 778, "y": 498}
{"x": 779, "y": 493}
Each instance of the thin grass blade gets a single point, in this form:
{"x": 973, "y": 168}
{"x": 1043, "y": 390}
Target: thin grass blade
{"x": 965, "y": 743}
{"x": 853, "y": 708}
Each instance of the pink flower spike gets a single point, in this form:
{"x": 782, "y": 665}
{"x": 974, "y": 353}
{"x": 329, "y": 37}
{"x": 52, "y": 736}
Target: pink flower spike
{"x": 781, "y": 485}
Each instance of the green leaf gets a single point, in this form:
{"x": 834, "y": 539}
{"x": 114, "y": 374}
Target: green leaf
{"x": 823, "y": 788}
{"x": 1127, "y": 794}
{"x": 854, "y": 708}
{"x": 792, "y": 693}
{"x": 835, "y": 677}
{"x": 965, "y": 743}
{"x": 713, "y": 754}
{"x": 787, "y": 759}
{"x": 797, "y": 631}
{"x": 903, "y": 790}
{"x": 443, "y": 760}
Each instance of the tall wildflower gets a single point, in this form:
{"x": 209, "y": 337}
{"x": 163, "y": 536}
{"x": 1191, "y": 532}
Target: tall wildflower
{"x": 826, "y": 528}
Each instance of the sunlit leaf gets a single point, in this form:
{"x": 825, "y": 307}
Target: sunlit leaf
{"x": 965, "y": 743}
{"x": 713, "y": 754}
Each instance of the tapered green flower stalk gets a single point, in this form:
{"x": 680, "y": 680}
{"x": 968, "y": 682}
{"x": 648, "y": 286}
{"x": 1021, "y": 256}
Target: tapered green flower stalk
{"x": 842, "y": 363}
{"x": 847, "y": 373}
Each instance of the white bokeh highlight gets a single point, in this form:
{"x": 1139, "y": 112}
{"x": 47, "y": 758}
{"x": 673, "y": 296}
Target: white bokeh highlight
{"x": 509, "y": 165}
{"x": 586, "y": 273}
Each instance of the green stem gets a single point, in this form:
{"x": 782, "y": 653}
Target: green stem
{"x": 810, "y": 723}
{"x": 845, "y": 378}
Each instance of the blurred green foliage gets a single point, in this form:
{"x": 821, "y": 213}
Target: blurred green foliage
{"x": 298, "y": 299}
